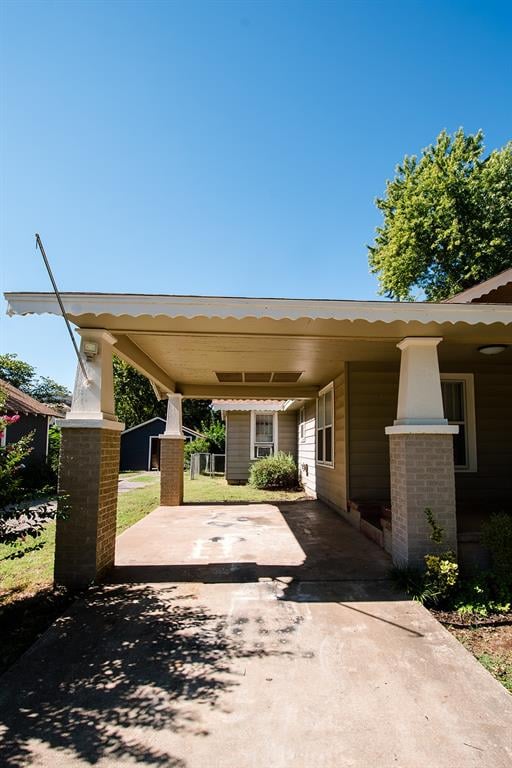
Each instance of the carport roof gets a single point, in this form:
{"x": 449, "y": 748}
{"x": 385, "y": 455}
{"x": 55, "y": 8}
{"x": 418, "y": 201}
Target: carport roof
{"x": 241, "y": 347}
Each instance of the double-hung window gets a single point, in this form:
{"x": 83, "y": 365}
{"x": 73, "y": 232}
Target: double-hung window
{"x": 459, "y": 408}
{"x": 325, "y": 427}
{"x": 263, "y": 434}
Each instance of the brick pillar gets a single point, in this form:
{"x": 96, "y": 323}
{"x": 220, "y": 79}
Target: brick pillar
{"x": 88, "y": 474}
{"x": 171, "y": 471}
{"x": 422, "y": 475}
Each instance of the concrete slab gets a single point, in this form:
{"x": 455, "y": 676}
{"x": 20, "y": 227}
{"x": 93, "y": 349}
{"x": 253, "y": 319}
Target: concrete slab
{"x": 282, "y": 672}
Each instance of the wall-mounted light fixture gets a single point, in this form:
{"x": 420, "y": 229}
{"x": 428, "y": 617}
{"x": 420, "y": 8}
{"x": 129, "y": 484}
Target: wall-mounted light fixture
{"x": 90, "y": 349}
{"x": 492, "y": 349}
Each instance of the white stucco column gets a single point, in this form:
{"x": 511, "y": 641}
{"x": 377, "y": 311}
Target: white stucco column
{"x": 173, "y": 427}
{"x": 171, "y": 455}
{"x": 93, "y": 397}
{"x": 421, "y": 456}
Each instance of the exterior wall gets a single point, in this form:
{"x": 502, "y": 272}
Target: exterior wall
{"x": 238, "y": 446}
{"x": 306, "y": 453}
{"x": 331, "y": 482}
{"x": 373, "y": 394}
{"x": 238, "y": 442}
{"x": 38, "y": 424}
{"x": 88, "y": 477}
{"x": 135, "y": 446}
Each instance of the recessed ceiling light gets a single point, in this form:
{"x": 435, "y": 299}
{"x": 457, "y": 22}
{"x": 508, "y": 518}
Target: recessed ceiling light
{"x": 492, "y": 349}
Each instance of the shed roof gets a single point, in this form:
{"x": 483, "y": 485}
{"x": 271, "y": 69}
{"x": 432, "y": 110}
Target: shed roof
{"x": 19, "y": 402}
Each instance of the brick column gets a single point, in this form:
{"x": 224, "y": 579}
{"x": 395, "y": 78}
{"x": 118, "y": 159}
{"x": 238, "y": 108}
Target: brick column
{"x": 88, "y": 475}
{"x": 171, "y": 471}
{"x": 422, "y": 475}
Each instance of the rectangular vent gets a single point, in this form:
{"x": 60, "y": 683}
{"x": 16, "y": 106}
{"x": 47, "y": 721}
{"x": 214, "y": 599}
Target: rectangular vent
{"x": 285, "y": 377}
{"x": 226, "y": 376}
{"x": 254, "y": 378}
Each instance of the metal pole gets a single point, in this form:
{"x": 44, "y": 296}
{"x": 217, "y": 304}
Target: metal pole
{"x": 39, "y": 245}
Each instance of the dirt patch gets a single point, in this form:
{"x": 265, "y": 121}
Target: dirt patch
{"x": 489, "y": 639}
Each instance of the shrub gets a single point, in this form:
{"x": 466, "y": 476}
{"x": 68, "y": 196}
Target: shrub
{"x": 279, "y": 471}
{"x": 201, "y": 445}
{"x": 497, "y": 537}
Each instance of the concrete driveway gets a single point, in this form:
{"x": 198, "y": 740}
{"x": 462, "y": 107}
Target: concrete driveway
{"x": 254, "y": 655}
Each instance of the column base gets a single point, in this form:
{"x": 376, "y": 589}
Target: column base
{"x": 88, "y": 480}
{"x": 171, "y": 471}
{"x": 422, "y": 476}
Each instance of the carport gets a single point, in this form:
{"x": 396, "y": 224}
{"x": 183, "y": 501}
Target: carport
{"x": 214, "y": 347}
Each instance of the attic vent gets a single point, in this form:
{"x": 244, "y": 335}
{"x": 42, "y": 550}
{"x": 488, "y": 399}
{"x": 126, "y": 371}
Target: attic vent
{"x": 257, "y": 377}
{"x": 223, "y": 376}
{"x": 287, "y": 376}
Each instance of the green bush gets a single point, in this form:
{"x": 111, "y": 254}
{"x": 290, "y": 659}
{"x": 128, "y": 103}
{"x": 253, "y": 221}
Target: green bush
{"x": 497, "y": 537}
{"x": 279, "y": 471}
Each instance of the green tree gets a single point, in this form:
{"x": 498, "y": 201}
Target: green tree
{"x": 17, "y": 372}
{"x": 47, "y": 390}
{"x": 447, "y": 220}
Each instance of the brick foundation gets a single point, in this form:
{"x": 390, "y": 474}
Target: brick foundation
{"x": 171, "y": 471}
{"x": 422, "y": 475}
{"x": 88, "y": 474}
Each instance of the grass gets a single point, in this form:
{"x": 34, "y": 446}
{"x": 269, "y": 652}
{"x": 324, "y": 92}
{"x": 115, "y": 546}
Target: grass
{"x": 21, "y": 577}
{"x": 499, "y": 666}
{"x": 215, "y": 489}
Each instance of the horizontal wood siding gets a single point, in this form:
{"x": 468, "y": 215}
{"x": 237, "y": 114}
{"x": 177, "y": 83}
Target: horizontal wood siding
{"x": 287, "y": 432}
{"x": 373, "y": 395}
{"x": 372, "y": 398}
{"x": 331, "y": 482}
{"x": 238, "y": 430}
{"x": 306, "y": 449}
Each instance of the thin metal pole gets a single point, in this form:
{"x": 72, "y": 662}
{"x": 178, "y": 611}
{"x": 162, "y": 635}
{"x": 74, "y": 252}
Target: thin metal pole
{"x": 39, "y": 245}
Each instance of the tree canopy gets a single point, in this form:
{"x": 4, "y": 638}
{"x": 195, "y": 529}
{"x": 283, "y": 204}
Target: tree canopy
{"x": 23, "y": 376}
{"x": 447, "y": 220}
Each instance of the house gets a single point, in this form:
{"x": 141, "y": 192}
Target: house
{"x": 140, "y": 445}
{"x": 256, "y": 428}
{"x": 401, "y": 405}
{"x": 34, "y": 418}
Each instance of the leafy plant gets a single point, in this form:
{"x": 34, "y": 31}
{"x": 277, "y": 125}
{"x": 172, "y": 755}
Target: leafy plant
{"x": 497, "y": 537}
{"x": 279, "y": 471}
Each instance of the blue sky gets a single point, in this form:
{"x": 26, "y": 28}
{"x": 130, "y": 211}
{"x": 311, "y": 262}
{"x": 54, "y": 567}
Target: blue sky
{"x": 222, "y": 147}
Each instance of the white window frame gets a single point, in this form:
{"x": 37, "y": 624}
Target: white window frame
{"x": 302, "y": 424}
{"x": 468, "y": 380}
{"x": 330, "y": 464}
{"x": 275, "y": 435}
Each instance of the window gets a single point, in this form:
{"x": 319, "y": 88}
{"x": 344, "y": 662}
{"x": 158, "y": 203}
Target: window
{"x": 302, "y": 423}
{"x": 459, "y": 408}
{"x": 263, "y": 434}
{"x": 325, "y": 427}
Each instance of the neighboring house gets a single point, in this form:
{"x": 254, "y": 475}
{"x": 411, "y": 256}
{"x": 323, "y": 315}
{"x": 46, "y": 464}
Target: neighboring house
{"x": 256, "y": 428}
{"x": 35, "y": 418}
{"x": 397, "y": 406}
{"x": 140, "y": 445}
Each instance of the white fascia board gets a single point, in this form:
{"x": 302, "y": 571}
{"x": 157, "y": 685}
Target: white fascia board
{"x": 481, "y": 289}
{"x": 143, "y": 424}
{"x": 188, "y": 307}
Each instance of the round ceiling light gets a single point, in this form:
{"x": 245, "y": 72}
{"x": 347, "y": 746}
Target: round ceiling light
{"x": 492, "y": 349}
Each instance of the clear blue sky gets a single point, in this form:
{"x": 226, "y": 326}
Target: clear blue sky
{"x": 223, "y": 147}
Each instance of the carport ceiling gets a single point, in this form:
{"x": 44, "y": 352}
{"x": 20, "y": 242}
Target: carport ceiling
{"x": 187, "y": 340}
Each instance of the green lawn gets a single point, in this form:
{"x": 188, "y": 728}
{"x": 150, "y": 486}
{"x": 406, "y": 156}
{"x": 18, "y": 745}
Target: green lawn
{"x": 215, "y": 489}
{"x": 26, "y": 575}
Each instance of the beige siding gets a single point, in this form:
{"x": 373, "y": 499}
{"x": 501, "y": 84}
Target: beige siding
{"x": 373, "y": 393}
{"x": 331, "y": 482}
{"x": 238, "y": 430}
{"x": 373, "y": 399}
{"x": 287, "y": 432}
{"x": 306, "y": 449}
